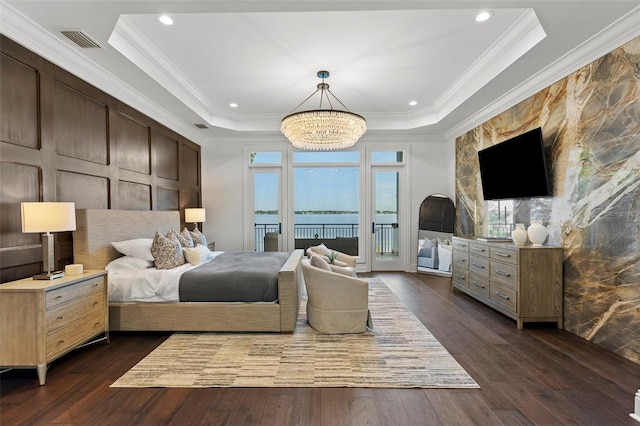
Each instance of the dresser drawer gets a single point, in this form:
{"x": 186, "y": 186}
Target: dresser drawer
{"x": 461, "y": 260}
{"x": 65, "y": 338}
{"x": 478, "y": 249}
{"x": 460, "y": 245}
{"x": 503, "y": 255}
{"x": 77, "y": 308}
{"x": 479, "y": 285}
{"x": 70, "y": 292}
{"x": 479, "y": 265}
{"x": 504, "y": 273}
{"x": 460, "y": 276}
{"x": 504, "y": 296}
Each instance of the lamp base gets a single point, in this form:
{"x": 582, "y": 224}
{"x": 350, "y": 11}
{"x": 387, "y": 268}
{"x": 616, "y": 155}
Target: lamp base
{"x": 49, "y": 276}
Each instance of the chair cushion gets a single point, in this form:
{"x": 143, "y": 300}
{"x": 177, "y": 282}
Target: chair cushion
{"x": 319, "y": 263}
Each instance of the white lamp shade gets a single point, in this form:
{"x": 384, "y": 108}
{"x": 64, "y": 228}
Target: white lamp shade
{"x": 194, "y": 215}
{"x": 48, "y": 217}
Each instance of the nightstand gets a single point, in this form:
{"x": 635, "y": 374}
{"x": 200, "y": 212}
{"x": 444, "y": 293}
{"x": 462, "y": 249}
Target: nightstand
{"x": 42, "y": 320}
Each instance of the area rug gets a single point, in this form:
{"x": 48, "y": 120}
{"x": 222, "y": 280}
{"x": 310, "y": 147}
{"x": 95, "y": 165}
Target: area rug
{"x": 399, "y": 352}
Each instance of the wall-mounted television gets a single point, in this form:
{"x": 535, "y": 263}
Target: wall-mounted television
{"x": 515, "y": 168}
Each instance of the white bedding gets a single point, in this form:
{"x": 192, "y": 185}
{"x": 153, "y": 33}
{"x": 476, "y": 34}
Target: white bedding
{"x": 131, "y": 280}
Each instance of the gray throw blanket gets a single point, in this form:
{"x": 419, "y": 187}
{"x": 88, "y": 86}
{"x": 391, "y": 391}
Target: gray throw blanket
{"x": 234, "y": 277}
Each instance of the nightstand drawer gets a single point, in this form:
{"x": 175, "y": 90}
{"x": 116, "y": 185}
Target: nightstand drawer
{"x": 504, "y": 296}
{"x": 479, "y": 265}
{"x": 505, "y": 273}
{"x": 70, "y": 292}
{"x": 66, "y": 338}
{"x": 77, "y": 308}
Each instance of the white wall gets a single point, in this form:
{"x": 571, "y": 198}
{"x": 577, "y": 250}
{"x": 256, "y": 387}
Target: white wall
{"x": 431, "y": 170}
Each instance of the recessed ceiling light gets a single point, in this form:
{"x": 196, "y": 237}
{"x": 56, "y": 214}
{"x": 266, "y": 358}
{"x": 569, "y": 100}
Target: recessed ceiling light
{"x": 484, "y": 16}
{"x": 233, "y": 105}
{"x": 166, "y": 19}
{"x": 413, "y": 103}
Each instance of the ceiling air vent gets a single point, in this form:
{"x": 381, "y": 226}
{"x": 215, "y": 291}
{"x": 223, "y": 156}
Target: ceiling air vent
{"x": 81, "y": 38}
{"x": 201, "y": 126}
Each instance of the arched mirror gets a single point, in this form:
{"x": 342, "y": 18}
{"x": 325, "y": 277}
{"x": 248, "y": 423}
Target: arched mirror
{"x": 435, "y": 229}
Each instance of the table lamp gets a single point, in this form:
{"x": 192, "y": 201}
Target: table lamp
{"x": 195, "y": 216}
{"x": 47, "y": 218}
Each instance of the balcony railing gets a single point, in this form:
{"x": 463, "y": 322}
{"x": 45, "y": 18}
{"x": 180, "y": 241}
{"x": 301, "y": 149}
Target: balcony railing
{"x": 385, "y": 234}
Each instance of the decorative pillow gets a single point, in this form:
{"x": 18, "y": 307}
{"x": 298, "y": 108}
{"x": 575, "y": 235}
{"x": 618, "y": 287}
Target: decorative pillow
{"x": 167, "y": 251}
{"x": 139, "y": 247}
{"x": 185, "y": 238}
{"x": 198, "y": 237}
{"x": 319, "y": 263}
{"x": 344, "y": 270}
{"x": 197, "y": 255}
{"x": 128, "y": 263}
{"x": 339, "y": 263}
{"x": 321, "y": 249}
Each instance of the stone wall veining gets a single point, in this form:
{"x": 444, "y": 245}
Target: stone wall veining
{"x": 591, "y": 128}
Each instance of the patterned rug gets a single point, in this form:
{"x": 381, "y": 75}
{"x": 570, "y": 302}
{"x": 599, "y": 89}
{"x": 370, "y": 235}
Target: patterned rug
{"x": 398, "y": 353}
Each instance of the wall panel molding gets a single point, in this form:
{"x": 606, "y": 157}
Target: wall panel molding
{"x": 62, "y": 139}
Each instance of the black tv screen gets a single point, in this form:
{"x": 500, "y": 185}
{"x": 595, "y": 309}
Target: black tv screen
{"x": 515, "y": 168}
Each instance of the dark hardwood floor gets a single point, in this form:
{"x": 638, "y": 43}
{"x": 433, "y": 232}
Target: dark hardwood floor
{"x": 539, "y": 375}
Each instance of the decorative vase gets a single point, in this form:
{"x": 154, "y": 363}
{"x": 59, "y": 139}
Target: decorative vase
{"x": 537, "y": 232}
{"x": 519, "y": 235}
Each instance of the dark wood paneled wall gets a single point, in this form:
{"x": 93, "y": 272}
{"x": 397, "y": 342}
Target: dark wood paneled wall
{"x": 62, "y": 139}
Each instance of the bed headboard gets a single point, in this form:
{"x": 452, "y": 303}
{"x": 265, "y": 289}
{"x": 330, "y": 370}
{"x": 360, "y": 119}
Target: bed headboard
{"x": 96, "y": 229}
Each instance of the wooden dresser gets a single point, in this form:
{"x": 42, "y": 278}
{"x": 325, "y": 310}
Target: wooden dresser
{"x": 522, "y": 282}
{"x": 43, "y": 320}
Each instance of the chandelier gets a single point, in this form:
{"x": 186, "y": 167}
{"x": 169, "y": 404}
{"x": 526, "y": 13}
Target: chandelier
{"x": 323, "y": 129}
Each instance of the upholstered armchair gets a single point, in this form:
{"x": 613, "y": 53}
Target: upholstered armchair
{"x": 337, "y": 303}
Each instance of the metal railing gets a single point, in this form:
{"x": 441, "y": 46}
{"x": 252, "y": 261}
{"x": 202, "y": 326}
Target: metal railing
{"x": 385, "y": 234}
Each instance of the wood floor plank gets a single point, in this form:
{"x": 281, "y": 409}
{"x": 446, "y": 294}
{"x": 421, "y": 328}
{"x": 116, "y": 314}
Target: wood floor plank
{"x": 535, "y": 376}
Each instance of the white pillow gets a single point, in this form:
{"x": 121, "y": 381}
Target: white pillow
{"x": 319, "y": 263}
{"x": 139, "y": 247}
{"x": 197, "y": 255}
{"x": 128, "y": 263}
{"x": 322, "y": 249}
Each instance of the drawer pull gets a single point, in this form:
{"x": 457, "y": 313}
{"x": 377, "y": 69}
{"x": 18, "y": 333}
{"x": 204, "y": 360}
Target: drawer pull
{"x": 478, "y": 284}
{"x": 60, "y": 342}
{"x": 58, "y": 297}
{"x": 60, "y": 317}
{"x": 478, "y": 265}
{"x": 503, "y": 296}
{"x": 503, "y": 255}
{"x": 504, "y": 274}
{"x": 96, "y": 303}
{"x": 477, "y": 248}
{"x": 97, "y": 324}
{"x": 460, "y": 276}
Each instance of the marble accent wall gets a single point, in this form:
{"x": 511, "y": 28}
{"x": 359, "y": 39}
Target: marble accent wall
{"x": 591, "y": 128}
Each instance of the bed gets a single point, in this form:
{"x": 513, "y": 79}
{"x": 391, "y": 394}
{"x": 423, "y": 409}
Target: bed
{"x": 96, "y": 229}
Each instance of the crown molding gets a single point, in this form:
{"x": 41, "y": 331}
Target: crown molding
{"x": 605, "y": 41}
{"x": 26, "y": 32}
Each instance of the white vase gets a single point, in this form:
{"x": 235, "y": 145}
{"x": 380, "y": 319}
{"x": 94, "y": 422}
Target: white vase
{"x": 519, "y": 235}
{"x": 537, "y": 232}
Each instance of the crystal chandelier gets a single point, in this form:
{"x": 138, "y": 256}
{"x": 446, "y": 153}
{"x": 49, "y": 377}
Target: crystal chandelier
{"x": 323, "y": 129}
